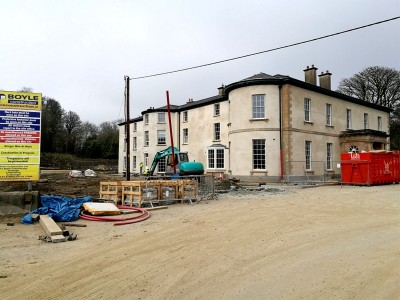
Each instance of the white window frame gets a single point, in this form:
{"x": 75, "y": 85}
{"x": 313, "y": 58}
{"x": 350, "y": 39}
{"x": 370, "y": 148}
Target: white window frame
{"x": 146, "y": 138}
{"x": 329, "y": 158}
{"x": 307, "y": 109}
{"x": 124, "y": 164}
{"x": 366, "y": 121}
{"x": 308, "y": 155}
{"x": 258, "y": 154}
{"x": 217, "y": 109}
{"x": 185, "y": 136}
{"x": 146, "y": 119}
{"x": 258, "y": 106}
{"x": 162, "y": 165}
{"x": 134, "y": 127}
{"x": 379, "y": 120}
{"x": 328, "y": 109}
{"x": 134, "y": 143}
{"x": 185, "y": 116}
{"x": 348, "y": 119}
{"x": 161, "y": 118}
{"x": 217, "y": 131}
{"x": 146, "y": 159}
{"x": 134, "y": 162}
{"x": 161, "y": 137}
{"x": 216, "y": 158}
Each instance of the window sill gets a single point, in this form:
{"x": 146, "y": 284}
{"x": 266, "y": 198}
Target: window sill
{"x": 259, "y": 172}
{"x": 308, "y": 123}
{"x": 329, "y": 126}
{"x": 146, "y": 146}
{"x": 259, "y": 120}
{"x": 216, "y": 115}
{"x": 216, "y": 141}
{"x": 309, "y": 172}
{"x": 185, "y": 143}
{"x": 161, "y": 145}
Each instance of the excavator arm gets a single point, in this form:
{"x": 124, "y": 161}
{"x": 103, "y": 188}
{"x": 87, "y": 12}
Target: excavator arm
{"x": 158, "y": 156}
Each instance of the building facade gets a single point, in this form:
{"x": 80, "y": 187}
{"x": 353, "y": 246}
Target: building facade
{"x": 265, "y": 127}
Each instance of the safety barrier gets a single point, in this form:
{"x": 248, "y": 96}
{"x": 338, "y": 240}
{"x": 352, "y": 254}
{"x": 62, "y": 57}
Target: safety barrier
{"x": 157, "y": 190}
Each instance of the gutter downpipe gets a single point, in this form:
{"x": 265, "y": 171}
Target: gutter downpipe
{"x": 280, "y": 132}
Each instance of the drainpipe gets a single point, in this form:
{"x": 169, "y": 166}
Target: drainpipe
{"x": 280, "y": 132}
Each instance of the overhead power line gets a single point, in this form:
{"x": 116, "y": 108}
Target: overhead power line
{"x": 269, "y": 50}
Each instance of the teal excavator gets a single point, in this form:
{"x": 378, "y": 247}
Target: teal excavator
{"x": 183, "y": 166}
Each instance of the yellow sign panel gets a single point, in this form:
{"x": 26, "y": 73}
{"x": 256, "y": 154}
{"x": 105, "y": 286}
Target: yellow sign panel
{"x": 20, "y": 118}
{"x": 15, "y": 172}
{"x": 20, "y": 100}
{"x": 19, "y": 160}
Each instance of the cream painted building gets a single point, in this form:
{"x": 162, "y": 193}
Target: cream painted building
{"x": 267, "y": 128}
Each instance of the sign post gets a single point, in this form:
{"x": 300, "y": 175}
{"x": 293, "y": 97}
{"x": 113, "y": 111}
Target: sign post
{"x": 20, "y": 117}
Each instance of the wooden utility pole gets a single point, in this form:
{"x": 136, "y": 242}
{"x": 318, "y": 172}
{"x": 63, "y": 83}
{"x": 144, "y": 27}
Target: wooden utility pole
{"x": 127, "y": 131}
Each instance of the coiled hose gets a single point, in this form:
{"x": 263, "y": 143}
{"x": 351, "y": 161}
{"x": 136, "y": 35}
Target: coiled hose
{"x": 144, "y": 214}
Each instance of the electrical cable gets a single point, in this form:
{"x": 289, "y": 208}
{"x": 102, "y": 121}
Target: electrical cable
{"x": 144, "y": 215}
{"x": 266, "y": 51}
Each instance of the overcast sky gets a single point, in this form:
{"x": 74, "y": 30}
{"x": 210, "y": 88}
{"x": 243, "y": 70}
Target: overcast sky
{"x": 78, "y": 51}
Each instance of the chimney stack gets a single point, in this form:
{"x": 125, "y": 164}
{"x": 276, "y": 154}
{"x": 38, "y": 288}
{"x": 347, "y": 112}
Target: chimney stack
{"x": 310, "y": 75}
{"x": 325, "y": 80}
{"x": 221, "y": 90}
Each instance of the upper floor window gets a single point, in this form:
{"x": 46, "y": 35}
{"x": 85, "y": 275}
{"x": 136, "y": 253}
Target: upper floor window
{"x": 328, "y": 114}
{"x": 134, "y": 126}
{"x": 379, "y": 123}
{"x": 307, "y": 109}
{"x": 146, "y": 119}
{"x": 161, "y": 117}
{"x": 348, "y": 118}
{"x": 217, "y": 131}
{"x": 366, "y": 125}
{"x": 216, "y": 109}
{"x": 258, "y": 107}
{"x": 161, "y": 139}
{"x": 185, "y": 116}
{"x": 146, "y": 138}
{"x": 134, "y": 143}
{"x": 185, "y": 135}
{"x": 259, "y": 154}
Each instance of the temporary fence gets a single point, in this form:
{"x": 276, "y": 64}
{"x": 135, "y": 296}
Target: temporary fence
{"x": 312, "y": 172}
{"x": 158, "y": 190}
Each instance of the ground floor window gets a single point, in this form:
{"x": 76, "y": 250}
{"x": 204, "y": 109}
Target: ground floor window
{"x": 259, "y": 154}
{"x": 329, "y": 156}
{"x": 216, "y": 158}
{"x": 308, "y": 154}
{"x": 134, "y": 162}
{"x": 162, "y": 163}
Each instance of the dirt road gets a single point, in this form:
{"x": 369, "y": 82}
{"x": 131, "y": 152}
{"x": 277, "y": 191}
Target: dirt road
{"x": 317, "y": 243}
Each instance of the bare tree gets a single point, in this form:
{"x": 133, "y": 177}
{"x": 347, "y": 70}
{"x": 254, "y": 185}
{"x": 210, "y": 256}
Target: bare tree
{"x": 72, "y": 122}
{"x": 52, "y": 128}
{"x": 379, "y": 85}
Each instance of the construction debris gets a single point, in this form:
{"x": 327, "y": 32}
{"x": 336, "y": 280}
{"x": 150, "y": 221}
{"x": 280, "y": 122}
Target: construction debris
{"x": 97, "y": 209}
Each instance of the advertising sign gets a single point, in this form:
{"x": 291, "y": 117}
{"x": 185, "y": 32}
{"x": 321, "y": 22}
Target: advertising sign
{"x": 20, "y": 116}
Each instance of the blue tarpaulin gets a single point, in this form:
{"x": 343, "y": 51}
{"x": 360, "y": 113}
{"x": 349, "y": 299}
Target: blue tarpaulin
{"x": 60, "y": 209}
